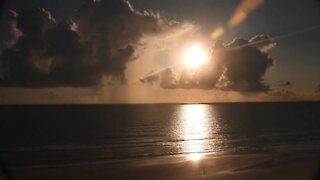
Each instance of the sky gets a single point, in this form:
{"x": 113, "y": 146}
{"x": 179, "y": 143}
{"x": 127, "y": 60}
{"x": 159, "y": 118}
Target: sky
{"x": 81, "y": 51}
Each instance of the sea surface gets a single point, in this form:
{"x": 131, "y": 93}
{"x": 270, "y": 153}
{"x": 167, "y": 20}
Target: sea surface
{"x": 60, "y": 135}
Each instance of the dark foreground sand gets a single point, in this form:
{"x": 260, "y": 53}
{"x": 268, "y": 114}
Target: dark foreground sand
{"x": 244, "y": 166}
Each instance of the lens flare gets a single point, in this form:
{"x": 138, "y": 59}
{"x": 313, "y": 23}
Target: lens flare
{"x": 240, "y": 14}
{"x": 217, "y": 32}
{"x": 243, "y": 10}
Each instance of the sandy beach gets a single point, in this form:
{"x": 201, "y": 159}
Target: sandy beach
{"x": 300, "y": 165}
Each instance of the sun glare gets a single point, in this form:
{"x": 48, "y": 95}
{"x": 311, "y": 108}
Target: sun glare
{"x": 196, "y": 130}
{"x": 195, "y": 56}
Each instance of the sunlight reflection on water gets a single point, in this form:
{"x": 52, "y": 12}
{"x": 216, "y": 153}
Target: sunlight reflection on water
{"x": 196, "y": 129}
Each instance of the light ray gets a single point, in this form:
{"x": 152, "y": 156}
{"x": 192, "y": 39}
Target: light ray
{"x": 282, "y": 36}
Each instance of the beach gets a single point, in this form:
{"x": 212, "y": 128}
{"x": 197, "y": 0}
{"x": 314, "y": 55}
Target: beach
{"x": 300, "y": 165}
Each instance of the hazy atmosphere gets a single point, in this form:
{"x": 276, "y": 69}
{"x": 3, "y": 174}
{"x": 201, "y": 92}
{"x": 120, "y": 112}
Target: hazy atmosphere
{"x": 159, "y": 51}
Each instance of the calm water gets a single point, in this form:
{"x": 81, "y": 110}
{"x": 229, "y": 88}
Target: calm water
{"x": 73, "y": 134}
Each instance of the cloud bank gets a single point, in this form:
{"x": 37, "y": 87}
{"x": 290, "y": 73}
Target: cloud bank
{"x": 98, "y": 41}
{"x": 288, "y": 83}
{"x": 237, "y": 66}
{"x": 103, "y": 37}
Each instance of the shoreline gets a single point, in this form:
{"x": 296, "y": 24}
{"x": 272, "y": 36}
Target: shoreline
{"x": 233, "y": 166}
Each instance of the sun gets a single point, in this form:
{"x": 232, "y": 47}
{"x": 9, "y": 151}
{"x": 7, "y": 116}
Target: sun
{"x": 195, "y": 56}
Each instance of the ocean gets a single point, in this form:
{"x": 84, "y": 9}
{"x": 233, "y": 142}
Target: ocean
{"x": 68, "y": 135}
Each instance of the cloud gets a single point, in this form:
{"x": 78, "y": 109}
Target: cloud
{"x": 150, "y": 78}
{"x": 14, "y": 33}
{"x": 263, "y": 42}
{"x": 206, "y": 78}
{"x": 245, "y": 67}
{"x": 237, "y": 66}
{"x": 282, "y": 93}
{"x": 100, "y": 40}
{"x": 288, "y": 83}
{"x": 103, "y": 37}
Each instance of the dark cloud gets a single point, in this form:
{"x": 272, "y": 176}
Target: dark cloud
{"x": 151, "y": 78}
{"x": 282, "y": 93}
{"x": 245, "y": 67}
{"x": 263, "y": 42}
{"x": 288, "y": 83}
{"x": 237, "y": 66}
{"x": 14, "y": 33}
{"x": 34, "y": 21}
{"x": 102, "y": 37}
{"x": 98, "y": 41}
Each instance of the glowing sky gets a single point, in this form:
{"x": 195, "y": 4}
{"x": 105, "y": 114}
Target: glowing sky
{"x": 297, "y": 57}
{"x": 293, "y": 76}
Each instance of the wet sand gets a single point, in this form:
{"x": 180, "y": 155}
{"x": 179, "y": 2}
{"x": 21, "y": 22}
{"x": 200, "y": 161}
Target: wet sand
{"x": 224, "y": 167}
